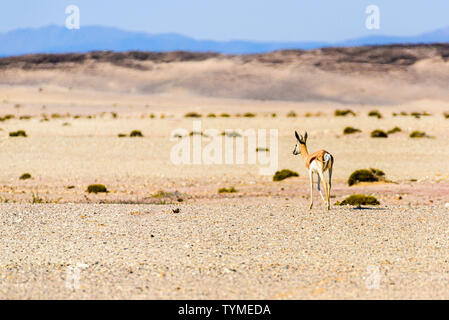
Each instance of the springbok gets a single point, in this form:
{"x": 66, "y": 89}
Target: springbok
{"x": 317, "y": 162}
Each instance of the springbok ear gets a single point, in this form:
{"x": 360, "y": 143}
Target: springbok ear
{"x": 305, "y": 136}
{"x": 297, "y": 136}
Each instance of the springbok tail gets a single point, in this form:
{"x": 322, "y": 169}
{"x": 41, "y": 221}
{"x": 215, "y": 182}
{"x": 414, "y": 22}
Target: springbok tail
{"x": 328, "y": 161}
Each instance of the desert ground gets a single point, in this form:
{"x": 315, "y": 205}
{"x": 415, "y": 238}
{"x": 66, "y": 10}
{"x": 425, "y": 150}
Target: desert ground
{"x": 163, "y": 231}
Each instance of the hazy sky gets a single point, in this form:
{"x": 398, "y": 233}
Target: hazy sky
{"x": 281, "y": 20}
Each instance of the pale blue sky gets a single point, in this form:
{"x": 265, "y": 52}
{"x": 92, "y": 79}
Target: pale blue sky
{"x": 259, "y": 20}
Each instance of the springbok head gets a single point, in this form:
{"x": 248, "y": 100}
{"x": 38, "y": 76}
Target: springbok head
{"x": 299, "y": 141}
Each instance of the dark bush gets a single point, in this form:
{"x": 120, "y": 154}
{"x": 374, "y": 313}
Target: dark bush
{"x": 394, "y": 130}
{"x": 379, "y": 134}
{"x": 358, "y": 200}
{"x": 249, "y": 115}
{"x": 365, "y": 175}
{"x": 291, "y": 114}
{"x": 97, "y": 188}
{"x": 136, "y": 133}
{"x": 418, "y": 134}
{"x": 375, "y": 113}
{"x": 350, "y": 130}
{"x": 227, "y": 190}
{"x": 344, "y": 113}
{"x": 192, "y": 115}
{"x": 211, "y": 115}
{"x": 19, "y": 133}
{"x": 284, "y": 174}
{"x": 25, "y": 176}
{"x": 225, "y": 115}
{"x": 446, "y": 115}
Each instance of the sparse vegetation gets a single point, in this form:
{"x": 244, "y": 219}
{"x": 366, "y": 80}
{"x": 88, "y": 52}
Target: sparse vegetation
{"x": 122, "y": 135}
{"x": 344, "y": 113}
{"x": 225, "y": 115}
{"x": 351, "y": 130}
{"x": 97, "y": 188}
{"x": 249, "y": 115}
{"x": 25, "y": 176}
{"x": 446, "y": 115}
{"x": 284, "y": 174}
{"x": 192, "y": 115}
{"x": 36, "y": 199}
{"x": 231, "y": 134}
{"x": 365, "y": 175}
{"x": 136, "y": 133}
{"x": 379, "y": 134}
{"x": 394, "y": 130}
{"x": 7, "y": 117}
{"x": 211, "y": 115}
{"x": 358, "y": 200}
{"x": 291, "y": 114}
{"x": 19, "y": 133}
{"x": 418, "y": 134}
{"x": 227, "y": 190}
{"x": 262, "y": 149}
{"x": 375, "y": 113}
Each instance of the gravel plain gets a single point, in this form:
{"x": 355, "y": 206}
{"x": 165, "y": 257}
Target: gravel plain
{"x": 225, "y": 249}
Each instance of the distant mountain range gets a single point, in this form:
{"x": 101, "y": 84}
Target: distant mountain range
{"x": 57, "y": 39}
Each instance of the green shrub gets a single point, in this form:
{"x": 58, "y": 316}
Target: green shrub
{"x": 365, "y": 175}
{"x": 394, "y": 130}
{"x": 136, "y": 133}
{"x": 418, "y": 134}
{"x": 358, "y": 200}
{"x": 249, "y": 115}
{"x": 375, "y": 113}
{"x": 284, "y": 174}
{"x": 211, "y": 115}
{"x": 227, "y": 190}
{"x": 19, "y": 133}
{"x": 225, "y": 115}
{"x": 379, "y": 134}
{"x": 192, "y": 115}
{"x": 97, "y": 188}
{"x": 351, "y": 130}
{"x": 344, "y": 113}
{"x": 25, "y": 176}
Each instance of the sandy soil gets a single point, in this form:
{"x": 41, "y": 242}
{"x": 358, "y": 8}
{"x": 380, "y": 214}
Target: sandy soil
{"x": 271, "y": 249}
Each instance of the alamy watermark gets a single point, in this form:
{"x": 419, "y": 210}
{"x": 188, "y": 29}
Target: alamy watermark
{"x": 73, "y": 19}
{"x": 72, "y": 281}
{"x": 372, "y": 277}
{"x": 372, "y": 22}
{"x": 261, "y": 147}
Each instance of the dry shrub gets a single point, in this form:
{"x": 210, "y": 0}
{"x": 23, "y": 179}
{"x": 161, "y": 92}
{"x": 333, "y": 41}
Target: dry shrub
{"x": 344, "y": 113}
{"x": 379, "y": 134}
{"x": 97, "y": 188}
{"x": 284, "y": 174}
{"x": 351, "y": 130}
{"x": 358, "y": 200}
{"x": 227, "y": 190}
{"x": 365, "y": 175}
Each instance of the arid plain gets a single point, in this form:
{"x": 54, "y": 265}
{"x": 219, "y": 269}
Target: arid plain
{"x": 164, "y": 231}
